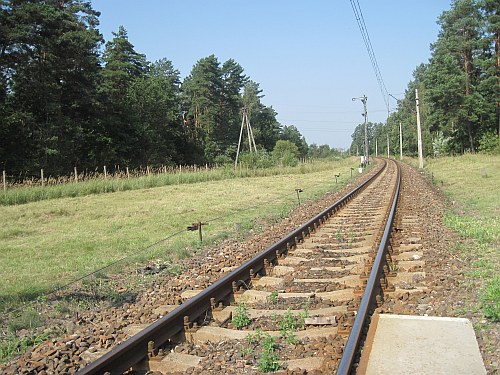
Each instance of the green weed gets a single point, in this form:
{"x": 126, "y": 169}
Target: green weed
{"x": 29, "y": 319}
{"x": 490, "y": 300}
{"x": 240, "y": 316}
{"x": 12, "y": 345}
{"x": 288, "y": 326}
{"x": 273, "y": 297}
{"x": 269, "y": 360}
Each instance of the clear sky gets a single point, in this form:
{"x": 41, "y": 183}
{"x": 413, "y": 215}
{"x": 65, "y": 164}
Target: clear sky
{"x": 308, "y": 56}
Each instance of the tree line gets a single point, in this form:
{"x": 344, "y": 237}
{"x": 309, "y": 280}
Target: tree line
{"x": 459, "y": 89}
{"x": 68, "y": 98}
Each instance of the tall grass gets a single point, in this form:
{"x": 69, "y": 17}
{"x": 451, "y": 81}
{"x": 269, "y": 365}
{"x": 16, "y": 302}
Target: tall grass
{"x": 98, "y": 184}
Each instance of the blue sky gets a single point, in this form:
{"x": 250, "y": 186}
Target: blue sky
{"x": 308, "y": 56}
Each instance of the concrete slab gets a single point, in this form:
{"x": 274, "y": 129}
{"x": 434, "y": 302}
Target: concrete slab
{"x": 309, "y": 364}
{"x": 409, "y": 255}
{"x": 352, "y": 250}
{"x": 218, "y": 334}
{"x": 337, "y": 295}
{"x": 353, "y": 258}
{"x": 223, "y": 315}
{"x": 409, "y": 247}
{"x": 164, "y": 309}
{"x": 302, "y": 249}
{"x": 350, "y": 280}
{"x": 411, "y": 345}
{"x": 400, "y": 292}
{"x": 270, "y": 282}
{"x": 405, "y": 265}
{"x": 292, "y": 261}
{"x": 187, "y": 294}
{"x": 172, "y": 363}
{"x": 259, "y": 313}
{"x": 407, "y": 277}
{"x": 282, "y": 270}
{"x": 134, "y": 329}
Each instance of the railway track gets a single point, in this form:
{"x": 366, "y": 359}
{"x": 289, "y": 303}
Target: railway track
{"x": 302, "y": 304}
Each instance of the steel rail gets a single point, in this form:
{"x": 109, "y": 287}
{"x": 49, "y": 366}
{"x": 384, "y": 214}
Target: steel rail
{"x": 370, "y": 293}
{"x": 135, "y": 349}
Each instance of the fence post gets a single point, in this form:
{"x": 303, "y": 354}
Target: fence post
{"x": 76, "y": 174}
{"x": 41, "y": 177}
{"x": 105, "y": 173}
{"x": 4, "y": 180}
{"x": 147, "y": 170}
{"x": 128, "y": 174}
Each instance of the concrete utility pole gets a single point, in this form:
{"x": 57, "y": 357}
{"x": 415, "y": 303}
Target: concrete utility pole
{"x": 376, "y": 147}
{"x": 419, "y": 131}
{"x": 400, "y": 142}
{"x": 245, "y": 123}
{"x": 388, "y": 154}
{"x": 365, "y": 114}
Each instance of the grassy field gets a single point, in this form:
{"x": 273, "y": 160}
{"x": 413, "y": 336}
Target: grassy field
{"x": 472, "y": 183}
{"x": 48, "y": 243}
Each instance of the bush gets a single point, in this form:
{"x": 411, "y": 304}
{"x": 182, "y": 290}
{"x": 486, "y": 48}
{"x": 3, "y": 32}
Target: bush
{"x": 223, "y": 160}
{"x": 289, "y": 160}
{"x": 489, "y": 144}
{"x": 285, "y": 147}
{"x": 259, "y": 159}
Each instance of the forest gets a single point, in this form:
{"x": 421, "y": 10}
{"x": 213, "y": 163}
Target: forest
{"x": 458, "y": 88}
{"x": 68, "y": 98}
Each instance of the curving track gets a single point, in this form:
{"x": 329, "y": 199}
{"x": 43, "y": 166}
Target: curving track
{"x": 312, "y": 292}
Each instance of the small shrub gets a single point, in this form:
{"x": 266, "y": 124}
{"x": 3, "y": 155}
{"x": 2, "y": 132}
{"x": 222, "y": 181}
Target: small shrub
{"x": 289, "y": 160}
{"x": 303, "y": 315}
{"x": 273, "y": 297}
{"x": 223, "y": 160}
{"x": 288, "y": 326}
{"x": 240, "y": 316}
{"x": 269, "y": 360}
{"x": 490, "y": 144}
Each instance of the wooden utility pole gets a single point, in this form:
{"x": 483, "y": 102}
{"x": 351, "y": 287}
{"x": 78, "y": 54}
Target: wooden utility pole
{"x": 419, "y": 131}
{"x": 400, "y": 141}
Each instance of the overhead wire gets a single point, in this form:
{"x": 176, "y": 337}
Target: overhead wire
{"x": 366, "y": 38}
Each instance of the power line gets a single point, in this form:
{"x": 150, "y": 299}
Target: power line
{"x": 366, "y": 38}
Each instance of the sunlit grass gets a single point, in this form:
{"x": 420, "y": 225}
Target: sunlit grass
{"x": 472, "y": 184}
{"x": 99, "y": 185}
{"x": 48, "y": 243}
